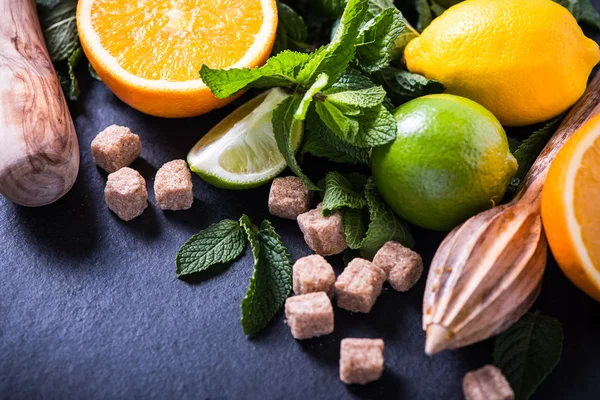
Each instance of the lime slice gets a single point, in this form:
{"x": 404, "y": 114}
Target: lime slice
{"x": 241, "y": 151}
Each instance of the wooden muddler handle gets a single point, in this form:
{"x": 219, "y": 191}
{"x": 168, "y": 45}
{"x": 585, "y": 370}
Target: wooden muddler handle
{"x": 39, "y": 153}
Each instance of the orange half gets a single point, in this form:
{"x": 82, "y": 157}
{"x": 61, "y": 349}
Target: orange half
{"x": 571, "y": 210}
{"x": 149, "y": 52}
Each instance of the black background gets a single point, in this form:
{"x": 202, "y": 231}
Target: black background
{"x": 90, "y": 306}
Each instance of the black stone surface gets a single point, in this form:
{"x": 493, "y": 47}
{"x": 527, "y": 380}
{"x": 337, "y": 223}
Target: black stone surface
{"x": 90, "y": 307}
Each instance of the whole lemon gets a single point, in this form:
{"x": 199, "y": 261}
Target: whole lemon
{"x": 524, "y": 60}
{"x": 450, "y": 160}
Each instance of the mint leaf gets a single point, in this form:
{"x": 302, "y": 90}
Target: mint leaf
{"x": 376, "y": 7}
{"x": 72, "y": 63}
{"x": 529, "y": 150}
{"x": 59, "y": 27}
{"x": 357, "y": 99}
{"x": 271, "y": 280}
{"x": 372, "y": 127}
{"x": 292, "y": 22}
{"x": 279, "y": 71}
{"x": 219, "y": 243}
{"x": 528, "y": 352}
{"x": 377, "y": 39}
{"x": 352, "y": 79}
{"x": 307, "y": 100}
{"x": 355, "y": 223}
{"x": 402, "y": 86}
{"x": 589, "y": 15}
{"x": 384, "y": 225}
{"x": 331, "y": 8}
{"x": 283, "y": 124}
{"x": 321, "y": 142}
{"x": 339, "y": 193}
{"x": 334, "y": 58}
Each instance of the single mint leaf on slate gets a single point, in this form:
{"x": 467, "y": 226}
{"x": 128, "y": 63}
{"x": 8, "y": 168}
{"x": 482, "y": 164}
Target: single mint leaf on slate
{"x": 283, "y": 124}
{"x": 279, "y": 71}
{"x": 588, "y": 14}
{"x": 363, "y": 98}
{"x": 334, "y": 58}
{"x": 219, "y": 243}
{"x": 529, "y": 150}
{"x": 355, "y": 222}
{"x": 320, "y": 141}
{"x": 377, "y": 40}
{"x": 271, "y": 281}
{"x": 402, "y": 86}
{"x": 59, "y": 26}
{"x": 340, "y": 193}
{"x": 384, "y": 225}
{"x": 528, "y": 352}
{"x": 307, "y": 100}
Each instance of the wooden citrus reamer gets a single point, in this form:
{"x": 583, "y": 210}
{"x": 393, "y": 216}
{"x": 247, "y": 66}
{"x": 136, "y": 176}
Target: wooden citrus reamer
{"x": 487, "y": 272}
{"x": 39, "y": 153}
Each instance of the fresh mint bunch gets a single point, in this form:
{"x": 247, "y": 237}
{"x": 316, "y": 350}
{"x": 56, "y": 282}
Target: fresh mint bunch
{"x": 219, "y": 243}
{"x": 348, "y": 105}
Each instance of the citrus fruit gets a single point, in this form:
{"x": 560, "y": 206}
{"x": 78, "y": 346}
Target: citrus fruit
{"x": 149, "y": 53}
{"x": 524, "y": 60}
{"x": 241, "y": 152}
{"x": 570, "y": 208}
{"x": 450, "y": 160}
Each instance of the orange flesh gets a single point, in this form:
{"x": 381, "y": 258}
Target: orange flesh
{"x": 171, "y": 39}
{"x": 585, "y": 199}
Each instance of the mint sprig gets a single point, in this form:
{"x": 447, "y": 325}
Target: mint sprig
{"x": 219, "y": 243}
{"x": 528, "y": 352}
{"x": 271, "y": 281}
{"x": 377, "y": 40}
{"x": 340, "y": 193}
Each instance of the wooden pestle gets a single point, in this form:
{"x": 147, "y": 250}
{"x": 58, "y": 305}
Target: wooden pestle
{"x": 39, "y": 153}
{"x": 487, "y": 272}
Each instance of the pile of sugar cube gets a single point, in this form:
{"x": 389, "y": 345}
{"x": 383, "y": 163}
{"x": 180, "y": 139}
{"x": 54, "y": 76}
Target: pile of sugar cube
{"x": 310, "y": 312}
{"x": 126, "y": 194}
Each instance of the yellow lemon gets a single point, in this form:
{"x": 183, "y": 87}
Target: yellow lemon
{"x": 525, "y": 60}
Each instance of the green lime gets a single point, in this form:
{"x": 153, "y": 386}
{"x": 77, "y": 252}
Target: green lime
{"x": 450, "y": 160}
{"x": 241, "y": 152}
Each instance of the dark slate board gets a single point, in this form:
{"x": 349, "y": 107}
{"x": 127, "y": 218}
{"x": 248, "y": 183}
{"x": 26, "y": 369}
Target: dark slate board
{"x": 90, "y": 307}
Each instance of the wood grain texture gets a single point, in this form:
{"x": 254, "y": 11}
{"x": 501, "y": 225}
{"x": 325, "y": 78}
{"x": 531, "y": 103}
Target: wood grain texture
{"x": 39, "y": 153}
{"x": 487, "y": 272}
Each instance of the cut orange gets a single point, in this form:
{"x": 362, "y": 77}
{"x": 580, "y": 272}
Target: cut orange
{"x": 571, "y": 210}
{"x": 149, "y": 52}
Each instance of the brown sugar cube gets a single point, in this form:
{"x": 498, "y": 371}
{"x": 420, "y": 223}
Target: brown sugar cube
{"x": 126, "y": 194}
{"x": 115, "y": 147}
{"x": 313, "y": 274}
{"x": 173, "y": 186}
{"x": 359, "y": 285}
{"x": 289, "y": 197}
{"x": 309, "y": 315}
{"x": 361, "y": 360}
{"x": 487, "y": 383}
{"x": 324, "y": 235}
{"x": 402, "y": 266}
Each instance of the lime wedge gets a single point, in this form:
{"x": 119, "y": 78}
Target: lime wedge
{"x": 241, "y": 151}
